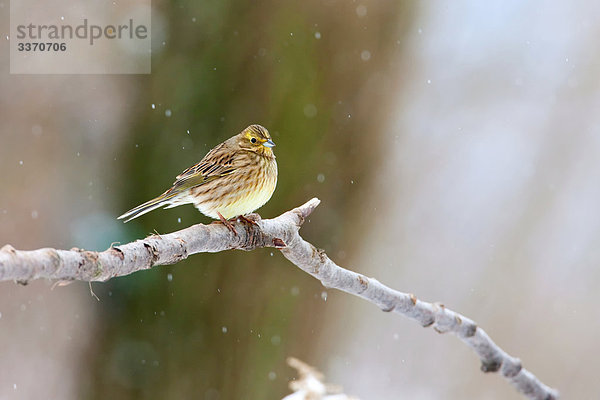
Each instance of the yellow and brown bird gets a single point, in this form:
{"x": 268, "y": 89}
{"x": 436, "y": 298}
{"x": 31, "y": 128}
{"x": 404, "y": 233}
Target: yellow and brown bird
{"x": 235, "y": 178}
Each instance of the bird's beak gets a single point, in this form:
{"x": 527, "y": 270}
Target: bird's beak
{"x": 269, "y": 143}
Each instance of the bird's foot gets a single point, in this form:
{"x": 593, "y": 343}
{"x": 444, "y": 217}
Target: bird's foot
{"x": 227, "y": 224}
{"x": 251, "y": 219}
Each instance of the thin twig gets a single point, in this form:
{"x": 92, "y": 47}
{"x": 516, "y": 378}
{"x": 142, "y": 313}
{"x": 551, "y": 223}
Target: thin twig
{"x": 282, "y": 233}
{"x": 310, "y": 384}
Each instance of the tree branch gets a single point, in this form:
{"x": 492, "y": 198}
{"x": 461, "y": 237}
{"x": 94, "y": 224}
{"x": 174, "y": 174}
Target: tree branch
{"x": 282, "y": 233}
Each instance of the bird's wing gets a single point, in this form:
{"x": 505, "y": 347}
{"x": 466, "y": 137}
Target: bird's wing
{"x": 217, "y": 163}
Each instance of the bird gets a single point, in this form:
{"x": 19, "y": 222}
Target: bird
{"x": 233, "y": 179}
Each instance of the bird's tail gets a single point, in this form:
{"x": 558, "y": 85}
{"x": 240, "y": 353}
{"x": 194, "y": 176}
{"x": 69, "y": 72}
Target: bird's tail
{"x": 160, "y": 201}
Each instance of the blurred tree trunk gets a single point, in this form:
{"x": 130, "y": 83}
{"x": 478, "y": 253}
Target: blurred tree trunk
{"x": 317, "y": 75}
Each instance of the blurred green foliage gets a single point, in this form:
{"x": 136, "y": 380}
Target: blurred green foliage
{"x": 219, "y": 326}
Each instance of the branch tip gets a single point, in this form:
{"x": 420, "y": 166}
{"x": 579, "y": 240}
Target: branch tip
{"x": 307, "y": 208}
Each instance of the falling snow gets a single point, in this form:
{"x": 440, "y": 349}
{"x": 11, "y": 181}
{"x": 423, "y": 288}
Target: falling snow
{"x": 361, "y": 11}
{"x": 310, "y": 110}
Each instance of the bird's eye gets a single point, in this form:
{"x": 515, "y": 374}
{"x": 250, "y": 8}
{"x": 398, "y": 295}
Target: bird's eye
{"x": 253, "y": 140}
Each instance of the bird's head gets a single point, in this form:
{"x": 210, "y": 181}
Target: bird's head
{"x": 256, "y": 138}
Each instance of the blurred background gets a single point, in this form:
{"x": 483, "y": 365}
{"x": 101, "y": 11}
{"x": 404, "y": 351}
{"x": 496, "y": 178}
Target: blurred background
{"x": 456, "y": 151}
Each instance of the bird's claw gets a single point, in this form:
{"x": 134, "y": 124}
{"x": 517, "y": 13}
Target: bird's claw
{"x": 251, "y": 219}
{"x": 227, "y": 224}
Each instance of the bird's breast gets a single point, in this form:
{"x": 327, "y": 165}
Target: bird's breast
{"x": 242, "y": 192}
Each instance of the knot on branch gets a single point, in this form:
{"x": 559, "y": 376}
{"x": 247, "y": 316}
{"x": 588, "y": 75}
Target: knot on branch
{"x": 153, "y": 251}
{"x": 492, "y": 365}
{"x": 117, "y": 252}
{"x": 363, "y": 281}
{"x": 278, "y": 243}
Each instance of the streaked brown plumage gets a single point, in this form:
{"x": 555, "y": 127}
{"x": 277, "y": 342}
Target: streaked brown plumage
{"x": 235, "y": 178}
